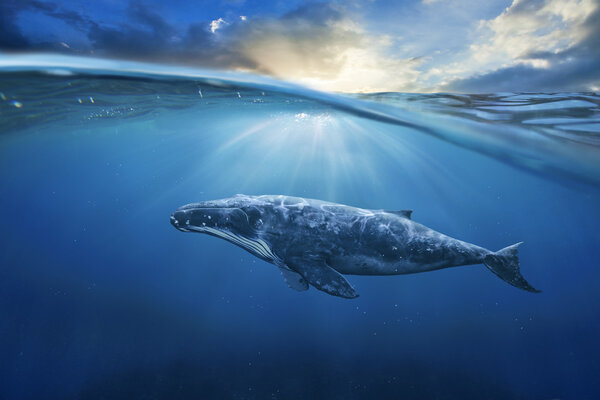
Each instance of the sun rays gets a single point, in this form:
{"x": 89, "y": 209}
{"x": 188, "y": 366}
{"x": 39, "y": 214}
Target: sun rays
{"x": 314, "y": 149}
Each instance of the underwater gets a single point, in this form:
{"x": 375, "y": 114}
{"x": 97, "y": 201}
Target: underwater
{"x": 102, "y": 299}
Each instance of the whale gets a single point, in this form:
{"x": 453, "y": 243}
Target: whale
{"x": 315, "y": 243}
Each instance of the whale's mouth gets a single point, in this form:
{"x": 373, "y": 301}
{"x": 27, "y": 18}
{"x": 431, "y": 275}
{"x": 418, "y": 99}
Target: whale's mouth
{"x": 177, "y": 225}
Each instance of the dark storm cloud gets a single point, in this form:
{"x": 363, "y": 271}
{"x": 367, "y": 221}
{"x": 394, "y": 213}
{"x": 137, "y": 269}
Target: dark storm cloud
{"x": 11, "y": 37}
{"x": 146, "y": 35}
{"x": 576, "y": 68}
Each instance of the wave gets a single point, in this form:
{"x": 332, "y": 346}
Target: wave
{"x": 555, "y": 135}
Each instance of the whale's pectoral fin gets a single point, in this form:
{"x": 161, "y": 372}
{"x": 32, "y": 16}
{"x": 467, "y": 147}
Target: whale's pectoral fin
{"x": 294, "y": 279}
{"x": 323, "y": 277}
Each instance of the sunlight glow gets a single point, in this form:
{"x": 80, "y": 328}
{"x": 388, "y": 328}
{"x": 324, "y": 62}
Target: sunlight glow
{"x": 324, "y": 150}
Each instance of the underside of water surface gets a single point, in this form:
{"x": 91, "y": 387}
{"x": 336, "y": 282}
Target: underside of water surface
{"x": 102, "y": 298}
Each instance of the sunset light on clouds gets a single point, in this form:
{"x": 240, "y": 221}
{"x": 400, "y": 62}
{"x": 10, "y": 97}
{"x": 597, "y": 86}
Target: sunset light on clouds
{"x": 359, "y": 46}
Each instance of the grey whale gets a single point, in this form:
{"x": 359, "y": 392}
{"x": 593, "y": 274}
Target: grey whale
{"x": 316, "y": 242}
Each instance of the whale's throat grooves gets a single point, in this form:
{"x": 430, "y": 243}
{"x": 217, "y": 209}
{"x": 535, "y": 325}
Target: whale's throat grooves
{"x": 256, "y": 246}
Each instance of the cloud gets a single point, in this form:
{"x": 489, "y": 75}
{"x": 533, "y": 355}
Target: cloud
{"x": 216, "y": 24}
{"x": 532, "y": 25}
{"x": 534, "y": 46}
{"x": 144, "y": 35}
{"x": 323, "y": 47}
{"x": 318, "y": 44}
{"x": 11, "y": 37}
{"x": 531, "y": 45}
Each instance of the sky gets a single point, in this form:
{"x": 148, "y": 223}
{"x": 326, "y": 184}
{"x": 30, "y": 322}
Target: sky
{"x": 346, "y": 46}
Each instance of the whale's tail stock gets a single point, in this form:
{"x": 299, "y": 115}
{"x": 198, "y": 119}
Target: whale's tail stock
{"x": 505, "y": 264}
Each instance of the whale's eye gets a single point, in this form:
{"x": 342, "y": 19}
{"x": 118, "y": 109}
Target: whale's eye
{"x": 254, "y": 216}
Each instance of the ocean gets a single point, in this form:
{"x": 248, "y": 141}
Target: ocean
{"x": 100, "y": 298}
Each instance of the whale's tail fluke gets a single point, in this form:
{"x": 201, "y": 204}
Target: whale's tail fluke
{"x": 505, "y": 264}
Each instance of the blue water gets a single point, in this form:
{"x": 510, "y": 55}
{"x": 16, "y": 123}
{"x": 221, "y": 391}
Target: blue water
{"x": 100, "y": 298}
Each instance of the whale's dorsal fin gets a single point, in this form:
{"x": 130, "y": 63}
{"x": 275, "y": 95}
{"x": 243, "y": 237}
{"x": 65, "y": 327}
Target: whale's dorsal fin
{"x": 322, "y": 276}
{"x": 294, "y": 279}
{"x": 402, "y": 213}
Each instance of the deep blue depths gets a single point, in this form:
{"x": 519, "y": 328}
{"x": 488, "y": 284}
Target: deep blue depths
{"x": 101, "y": 298}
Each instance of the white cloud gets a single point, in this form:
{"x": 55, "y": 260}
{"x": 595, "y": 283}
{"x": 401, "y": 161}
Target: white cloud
{"x": 216, "y": 24}
{"x": 521, "y": 29}
{"x": 524, "y": 29}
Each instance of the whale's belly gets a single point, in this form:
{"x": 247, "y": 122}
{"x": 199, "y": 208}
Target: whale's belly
{"x": 372, "y": 265}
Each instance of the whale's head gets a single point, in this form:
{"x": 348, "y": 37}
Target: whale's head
{"x": 240, "y": 214}
{"x": 236, "y": 219}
